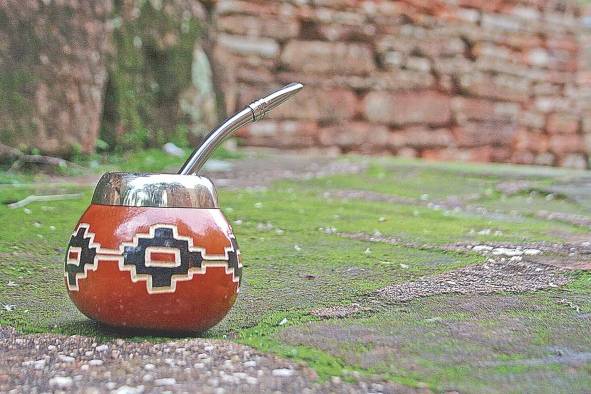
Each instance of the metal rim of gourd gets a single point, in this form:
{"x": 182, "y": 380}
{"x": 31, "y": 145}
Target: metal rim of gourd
{"x": 185, "y": 189}
{"x": 155, "y": 190}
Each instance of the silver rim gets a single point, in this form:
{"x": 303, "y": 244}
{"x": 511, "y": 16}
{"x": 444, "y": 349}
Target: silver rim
{"x": 155, "y": 190}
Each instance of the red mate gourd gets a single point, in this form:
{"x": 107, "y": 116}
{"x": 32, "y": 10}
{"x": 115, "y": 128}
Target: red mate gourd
{"x": 154, "y": 251}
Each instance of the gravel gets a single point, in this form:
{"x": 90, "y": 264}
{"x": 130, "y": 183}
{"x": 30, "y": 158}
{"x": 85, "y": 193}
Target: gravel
{"x": 491, "y": 277}
{"x": 499, "y": 274}
{"x": 43, "y": 363}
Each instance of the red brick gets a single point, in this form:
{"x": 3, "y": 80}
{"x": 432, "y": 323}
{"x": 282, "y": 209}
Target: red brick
{"x": 566, "y": 143}
{"x": 421, "y": 138}
{"x": 522, "y": 41}
{"x": 561, "y": 123}
{"x": 488, "y": 5}
{"x": 502, "y": 87}
{"x": 401, "y": 109}
{"x": 586, "y": 123}
{"x": 432, "y": 46}
{"x": 326, "y": 105}
{"x": 254, "y": 75}
{"x": 472, "y": 109}
{"x": 407, "y": 152}
{"x": 278, "y": 28}
{"x": 545, "y": 159}
{"x": 481, "y": 154}
{"x": 328, "y": 57}
{"x": 523, "y": 157}
{"x": 562, "y": 43}
{"x": 537, "y": 57}
{"x": 473, "y": 80}
{"x": 344, "y": 32}
{"x": 246, "y": 7}
{"x": 532, "y": 120}
{"x": 356, "y": 136}
{"x": 501, "y": 154}
{"x": 249, "y": 46}
{"x": 485, "y": 133}
{"x": 281, "y": 134}
{"x": 574, "y": 160}
{"x": 530, "y": 141}
{"x": 400, "y": 80}
{"x": 321, "y": 105}
{"x": 488, "y": 50}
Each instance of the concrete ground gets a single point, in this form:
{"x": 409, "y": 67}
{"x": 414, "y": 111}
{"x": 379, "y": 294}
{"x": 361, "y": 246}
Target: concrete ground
{"x": 361, "y": 275}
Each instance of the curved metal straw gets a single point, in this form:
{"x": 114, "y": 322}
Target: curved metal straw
{"x": 253, "y": 112}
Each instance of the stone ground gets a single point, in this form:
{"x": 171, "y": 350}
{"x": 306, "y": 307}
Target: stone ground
{"x": 361, "y": 275}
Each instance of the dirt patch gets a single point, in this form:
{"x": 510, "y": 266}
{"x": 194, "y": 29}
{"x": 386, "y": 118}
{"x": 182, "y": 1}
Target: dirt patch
{"x": 385, "y": 239}
{"x": 489, "y": 278}
{"x": 577, "y": 220}
{"x": 336, "y": 312}
{"x": 467, "y": 343}
{"x": 568, "y": 255}
{"x": 572, "y": 359}
{"x": 508, "y": 269}
{"x": 369, "y": 196}
{"x": 261, "y": 168}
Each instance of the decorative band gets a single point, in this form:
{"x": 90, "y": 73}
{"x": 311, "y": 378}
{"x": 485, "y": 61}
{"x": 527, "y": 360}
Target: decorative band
{"x": 161, "y": 258}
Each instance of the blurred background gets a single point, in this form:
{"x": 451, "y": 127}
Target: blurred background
{"x": 474, "y": 80}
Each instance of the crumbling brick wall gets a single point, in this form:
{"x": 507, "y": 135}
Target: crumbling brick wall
{"x": 71, "y": 71}
{"x": 482, "y": 80}
{"x": 52, "y": 73}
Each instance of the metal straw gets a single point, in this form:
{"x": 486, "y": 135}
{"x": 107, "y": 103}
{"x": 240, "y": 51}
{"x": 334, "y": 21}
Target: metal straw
{"x": 251, "y": 113}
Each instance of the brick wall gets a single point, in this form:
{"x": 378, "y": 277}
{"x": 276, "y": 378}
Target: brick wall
{"x": 482, "y": 80}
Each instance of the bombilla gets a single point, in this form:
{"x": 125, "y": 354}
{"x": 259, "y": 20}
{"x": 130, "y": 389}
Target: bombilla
{"x": 251, "y": 113}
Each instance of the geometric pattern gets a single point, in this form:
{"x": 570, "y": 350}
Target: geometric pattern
{"x": 81, "y": 253}
{"x": 161, "y": 258}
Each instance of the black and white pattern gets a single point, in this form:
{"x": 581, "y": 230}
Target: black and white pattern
{"x": 137, "y": 257}
{"x": 85, "y": 251}
{"x": 161, "y": 276}
{"x": 234, "y": 263}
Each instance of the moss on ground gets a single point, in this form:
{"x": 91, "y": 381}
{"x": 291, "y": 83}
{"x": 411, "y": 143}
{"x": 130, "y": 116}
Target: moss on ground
{"x": 295, "y": 260}
{"x": 506, "y": 343}
{"x": 413, "y": 182}
{"x": 302, "y": 208}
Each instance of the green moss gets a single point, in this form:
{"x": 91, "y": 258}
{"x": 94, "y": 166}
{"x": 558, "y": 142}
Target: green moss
{"x": 416, "y": 182}
{"x": 263, "y": 338}
{"x": 292, "y": 261}
{"x": 277, "y": 276}
{"x": 288, "y": 203}
{"x": 20, "y": 53}
{"x": 260, "y": 337}
{"x": 492, "y": 341}
{"x": 16, "y": 106}
{"x": 147, "y": 160}
{"x": 152, "y": 66}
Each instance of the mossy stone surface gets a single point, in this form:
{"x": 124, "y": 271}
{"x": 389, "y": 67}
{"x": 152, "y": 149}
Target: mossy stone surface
{"x": 298, "y": 257}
